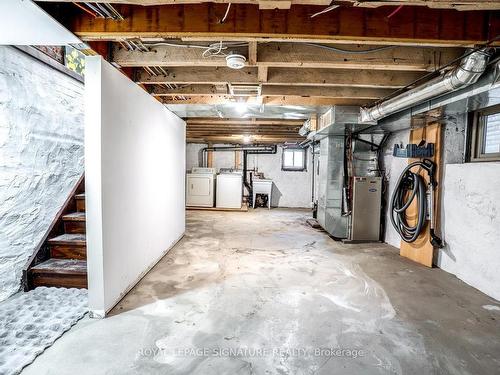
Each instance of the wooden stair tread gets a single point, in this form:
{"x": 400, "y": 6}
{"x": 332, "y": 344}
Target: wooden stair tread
{"x": 69, "y": 239}
{"x": 62, "y": 267}
{"x": 64, "y": 247}
{"x": 74, "y": 216}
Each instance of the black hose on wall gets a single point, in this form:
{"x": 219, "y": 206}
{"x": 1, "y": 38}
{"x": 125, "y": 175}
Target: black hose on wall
{"x": 400, "y": 201}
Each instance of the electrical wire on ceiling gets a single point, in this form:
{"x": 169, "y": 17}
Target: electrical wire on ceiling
{"x": 226, "y": 14}
{"x": 217, "y": 49}
{"x": 212, "y": 50}
{"x": 396, "y": 11}
{"x": 326, "y": 10}
{"x": 348, "y": 51}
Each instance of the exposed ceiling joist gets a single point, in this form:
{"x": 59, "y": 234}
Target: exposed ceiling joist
{"x": 239, "y": 139}
{"x": 257, "y": 129}
{"x": 230, "y": 121}
{"x": 282, "y": 76}
{"x": 288, "y": 55}
{"x": 242, "y": 131}
{"x": 263, "y": 4}
{"x": 314, "y": 91}
{"x": 271, "y": 100}
{"x": 404, "y": 46}
{"x": 286, "y": 4}
{"x": 272, "y": 130}
{"x": 411, "y": 25}
{"x": 463, "y": 5}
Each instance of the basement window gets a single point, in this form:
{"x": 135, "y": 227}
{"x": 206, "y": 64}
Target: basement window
{"x": 294, "y": 159}
{"x": 486, "y": 135}
{"x": 74, "y": 60}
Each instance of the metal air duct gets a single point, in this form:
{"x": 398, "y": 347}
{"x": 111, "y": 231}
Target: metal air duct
{"x": 466, "y": 73}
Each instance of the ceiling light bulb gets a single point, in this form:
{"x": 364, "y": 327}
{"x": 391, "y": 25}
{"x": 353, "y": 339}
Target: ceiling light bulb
{"x": 247, "y": 139}
{"x": 240, "y": 107}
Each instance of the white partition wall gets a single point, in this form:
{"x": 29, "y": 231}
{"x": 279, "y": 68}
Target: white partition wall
{"x": 135, "y": 170}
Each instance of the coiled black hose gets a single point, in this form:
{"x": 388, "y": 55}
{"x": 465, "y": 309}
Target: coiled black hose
{"x": 400, "y": 202}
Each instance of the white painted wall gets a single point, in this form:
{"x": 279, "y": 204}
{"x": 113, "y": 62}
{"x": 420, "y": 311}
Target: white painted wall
{"x": 41, "y": 155}
{"x": 291, "y": 189}
{"x": 471, "y": 225}
{"x": 470, "y": 211}
{"x": 193, "y": 157}
{"x": 135, "y": 170}
{"x": 25, "y": 23}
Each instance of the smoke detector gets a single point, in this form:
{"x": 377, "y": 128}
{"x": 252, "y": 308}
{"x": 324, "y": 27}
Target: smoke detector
{"x": 235, "y": 61}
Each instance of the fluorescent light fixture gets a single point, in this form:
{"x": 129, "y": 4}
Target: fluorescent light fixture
{"x": 23, "y": 23}
{"x": 240, "y": 107}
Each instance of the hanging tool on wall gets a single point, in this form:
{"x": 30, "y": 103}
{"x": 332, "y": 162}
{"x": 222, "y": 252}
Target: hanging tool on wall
{"x": 410, "y": 186}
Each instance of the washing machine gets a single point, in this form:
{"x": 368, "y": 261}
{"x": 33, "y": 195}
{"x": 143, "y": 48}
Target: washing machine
{"x": 229, "y": 190}
{"x": 200, "y": 187}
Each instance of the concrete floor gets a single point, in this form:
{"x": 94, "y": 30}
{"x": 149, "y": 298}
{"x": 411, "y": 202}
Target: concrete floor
{"x": 263, "y": 293}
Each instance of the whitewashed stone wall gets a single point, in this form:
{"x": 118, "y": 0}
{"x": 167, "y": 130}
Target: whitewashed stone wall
{"x": 470, "y": 218}
{"x": 41, "y": 155}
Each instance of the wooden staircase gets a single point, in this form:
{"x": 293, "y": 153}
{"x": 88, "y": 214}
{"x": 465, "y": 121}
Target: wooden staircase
{"x": 61, "y": 259}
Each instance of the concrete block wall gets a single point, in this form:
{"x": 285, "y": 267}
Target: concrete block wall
{"x": 292, "y": 189}
{"x": 41, "y": 155}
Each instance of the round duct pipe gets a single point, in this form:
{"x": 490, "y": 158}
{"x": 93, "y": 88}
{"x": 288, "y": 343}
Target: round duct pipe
{"x": 466, "y": 73}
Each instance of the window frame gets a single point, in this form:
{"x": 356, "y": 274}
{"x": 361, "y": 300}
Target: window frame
{"x": 478, "y": 135}
{"x": 294, "y": 169}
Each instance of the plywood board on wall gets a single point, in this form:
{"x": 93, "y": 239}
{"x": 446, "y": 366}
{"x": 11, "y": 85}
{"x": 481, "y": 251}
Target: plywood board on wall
{"x": 422, "y": 251}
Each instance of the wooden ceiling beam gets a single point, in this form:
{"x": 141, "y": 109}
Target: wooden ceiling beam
{"x": 239, "y": 139}
{"x": 272, "y": 101}
{"x": 463, "y": 5}
{"x": 329, "y": 92}
{"x": 411, "y": 26}
{"x": 263, "y": 73}
{"x": 252, "y": 53}
{"x": 211, "y": 121}
{"x": 190, "y": 133}
{"x": 304, "y": 91}
{"x": 235, "y": 126}
{"x": 290, "y": 55}
{"x": 282, "y": 76}
{"x": 200, "y": 75}
{"x": 285, "y": 4}
{"x": 263, "y": 4}
{"x": 241, "y": 131}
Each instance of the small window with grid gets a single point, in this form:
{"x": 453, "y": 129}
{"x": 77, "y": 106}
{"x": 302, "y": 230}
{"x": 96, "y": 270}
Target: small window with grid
{"x": 294, "y": 159}
{"x": 486, "y": 135}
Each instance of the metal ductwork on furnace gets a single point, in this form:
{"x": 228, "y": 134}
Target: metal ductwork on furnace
{"x": 466, "y": 73}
